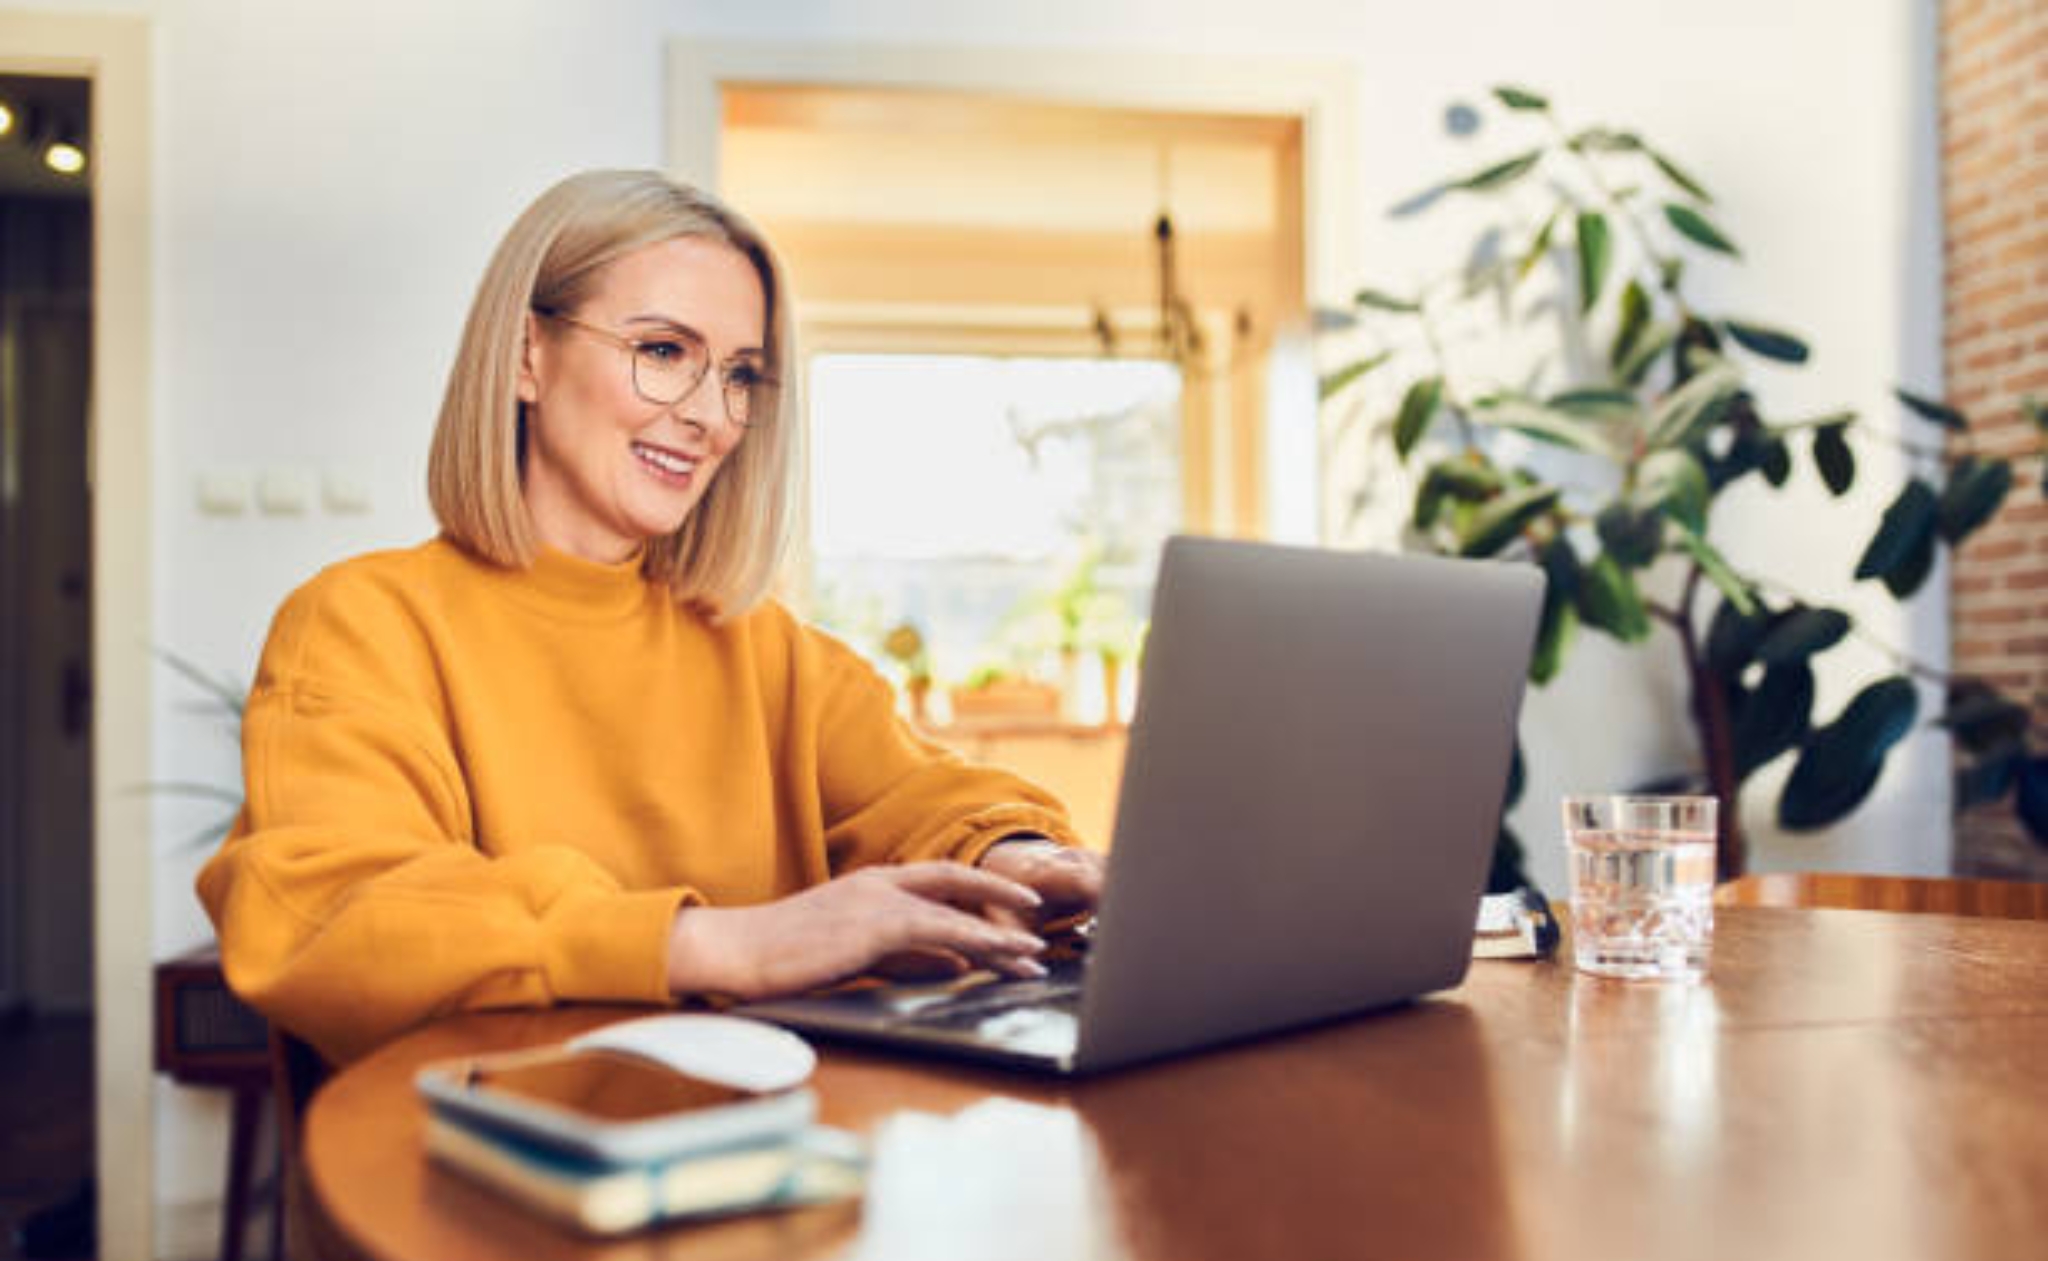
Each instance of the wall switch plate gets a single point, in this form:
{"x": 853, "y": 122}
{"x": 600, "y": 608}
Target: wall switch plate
{"x": 223, "y": 493}
{"x": 345, "y": 494}
{"x": 284, "y": 493}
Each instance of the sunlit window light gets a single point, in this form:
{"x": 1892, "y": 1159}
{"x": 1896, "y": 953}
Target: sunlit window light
{"x": 6, "y": 119}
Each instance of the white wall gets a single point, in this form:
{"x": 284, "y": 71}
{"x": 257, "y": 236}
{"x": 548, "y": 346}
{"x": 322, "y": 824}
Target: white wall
{"x": 330, "y": 179}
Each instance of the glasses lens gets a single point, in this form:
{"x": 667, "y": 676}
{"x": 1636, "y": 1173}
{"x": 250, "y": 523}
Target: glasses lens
{"x": 745, "y": 391}
{"x": 668, "y": 367}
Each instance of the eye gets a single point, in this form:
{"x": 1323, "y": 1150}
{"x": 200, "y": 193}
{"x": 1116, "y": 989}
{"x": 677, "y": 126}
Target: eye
{"x": 664, "y": 353}
{"x": 745, "y": 376}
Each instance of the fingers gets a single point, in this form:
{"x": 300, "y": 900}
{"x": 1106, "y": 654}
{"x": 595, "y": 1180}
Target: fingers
{"x": 957, "y": 884}
{"x": 1068, "y": 879}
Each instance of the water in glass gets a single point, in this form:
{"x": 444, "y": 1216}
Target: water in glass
{"x": 1642, "y": 896}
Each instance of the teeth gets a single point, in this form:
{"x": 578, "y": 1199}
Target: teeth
{"x": 663, "y": 460}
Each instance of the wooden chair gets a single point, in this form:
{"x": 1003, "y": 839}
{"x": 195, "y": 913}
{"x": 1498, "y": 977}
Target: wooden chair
{"x": 298, "y": 1231}
{"x": 1994, "y": 899}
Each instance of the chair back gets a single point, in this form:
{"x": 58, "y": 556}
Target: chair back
{"x": 1996, "y": 899}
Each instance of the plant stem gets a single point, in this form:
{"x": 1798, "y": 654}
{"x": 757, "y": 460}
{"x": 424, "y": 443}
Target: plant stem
{"x": 1712, "y": 724}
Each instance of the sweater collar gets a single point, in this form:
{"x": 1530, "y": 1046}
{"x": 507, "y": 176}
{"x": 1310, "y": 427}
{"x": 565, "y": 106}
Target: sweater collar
{"x": 571, "y": 587}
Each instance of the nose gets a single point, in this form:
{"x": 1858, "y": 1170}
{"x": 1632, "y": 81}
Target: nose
{"x": 703, "y": 408}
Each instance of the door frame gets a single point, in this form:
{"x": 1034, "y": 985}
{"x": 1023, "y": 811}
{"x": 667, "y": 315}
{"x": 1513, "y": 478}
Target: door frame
{"x": 113, "y": 51}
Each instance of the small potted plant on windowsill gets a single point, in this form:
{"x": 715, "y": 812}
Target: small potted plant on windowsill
{"x": 997, "y": 694}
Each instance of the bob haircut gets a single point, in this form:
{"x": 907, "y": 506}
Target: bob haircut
{"x": 727, "y": 553}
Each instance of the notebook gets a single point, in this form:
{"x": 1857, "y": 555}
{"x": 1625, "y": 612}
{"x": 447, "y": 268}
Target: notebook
{"x": 1310, "y": 798}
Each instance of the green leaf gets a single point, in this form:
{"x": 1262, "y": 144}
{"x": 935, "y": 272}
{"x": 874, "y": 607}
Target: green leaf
{"x": 2037, "y": 411}
{"x": 1842, "y": 761}
{"x": 1771, "y": 343}
{"x": 1775, "y": 460}
{"x": 1385, "y": 302}
{"x": 1467, "y": 478}
{"x": 1693, "y": 226}
{"x": 1643, "y": 352}
{"x": 1930, "y": 410}
{"x": 1635, "y": 316}
{"x": 1560, "y": 620}
{"x": 1602, "y": 140}
{"x": 1733, "y": 636}
{"x": 1675, "y": 175}
{"x": 1834, "y": 459}
{"x": 1904, "y": 543}
{"x": 1773, "y": 718}
{"x": 1608, "y": 601}
{"x": 1507, "y": 873}
{"x": 1633, "y": 535}
{"x": 1503, "y": 517}
{"x": 1544, "y": 423}
{"x": 1336, "y": 381}
{"x": 1982, "y": 718}
{"x": 1500, "y": 174}
{"x": 1461, "y": 478}
{"x": 1674, "y": 482}
{"x": 1976, "y": 487}
{"x": 1538, "y": 248}
{"x": 1597, "y": 403}
{"x": 1716, "y": 567}
{"x": 1593, "y": 256}
{"x": 2030, "y": 801}
{"x": 1521, "y": 98}
{"x": 1801, "y": 632}
{"x": 1987, "y": 780}
{"x": 1418, "y": 408}
{"x": 1688, "y": 410}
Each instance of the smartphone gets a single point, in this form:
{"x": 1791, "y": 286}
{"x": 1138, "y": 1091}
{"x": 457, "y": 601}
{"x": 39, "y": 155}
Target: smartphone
{"x": 611, "y": 1105}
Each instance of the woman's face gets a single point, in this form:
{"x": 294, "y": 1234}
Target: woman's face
{"x": 606, "y": 470}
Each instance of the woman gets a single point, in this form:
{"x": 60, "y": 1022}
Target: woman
{"x": 568, "y": 750}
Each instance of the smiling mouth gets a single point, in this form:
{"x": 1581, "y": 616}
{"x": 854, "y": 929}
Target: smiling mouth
{"x": 668, "y": 464}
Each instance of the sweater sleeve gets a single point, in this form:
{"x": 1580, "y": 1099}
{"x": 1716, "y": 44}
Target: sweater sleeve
{"x": 352, "y": 901}
{"x": 891, "y": 795}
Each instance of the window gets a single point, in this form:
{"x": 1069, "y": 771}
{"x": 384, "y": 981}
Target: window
{"x": 1008, "y": 507}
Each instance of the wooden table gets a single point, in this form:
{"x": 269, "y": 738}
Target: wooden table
{"x": 1847, "y": 1084}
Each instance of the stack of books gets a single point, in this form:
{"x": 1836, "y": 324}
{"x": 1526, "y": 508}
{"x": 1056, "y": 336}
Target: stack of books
{"x": 1517, "y": 925}
{"x": 666, "y": 1119}
{"x": 603, "y": 1197}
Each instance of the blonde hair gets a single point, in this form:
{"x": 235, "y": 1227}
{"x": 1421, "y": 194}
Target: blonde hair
{"x": 726, "y": 555}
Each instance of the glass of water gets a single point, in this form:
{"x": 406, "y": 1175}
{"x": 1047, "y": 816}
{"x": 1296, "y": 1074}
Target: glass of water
{"x": 1642, "y": 884}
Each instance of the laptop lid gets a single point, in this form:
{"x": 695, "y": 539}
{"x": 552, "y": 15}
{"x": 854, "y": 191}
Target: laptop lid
{"x": 1312, "y": 790}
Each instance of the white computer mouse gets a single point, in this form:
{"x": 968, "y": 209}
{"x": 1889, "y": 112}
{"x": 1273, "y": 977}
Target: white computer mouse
{"x": 729, "y": 1050}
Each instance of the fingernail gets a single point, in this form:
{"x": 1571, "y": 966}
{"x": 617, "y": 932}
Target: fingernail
{"x": 1031, "y": 895}
{"x": 1027, "y": 942}
{"x": 1031, "y": 968}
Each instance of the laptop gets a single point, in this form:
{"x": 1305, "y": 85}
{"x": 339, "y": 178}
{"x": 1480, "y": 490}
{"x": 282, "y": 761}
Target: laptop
{"x": 1310, "y": 800}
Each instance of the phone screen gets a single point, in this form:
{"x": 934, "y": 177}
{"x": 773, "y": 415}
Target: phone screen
{"x": 603, "y": 1085}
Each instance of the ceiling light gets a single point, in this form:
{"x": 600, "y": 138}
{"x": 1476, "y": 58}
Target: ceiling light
{"x": 64, "y": 158}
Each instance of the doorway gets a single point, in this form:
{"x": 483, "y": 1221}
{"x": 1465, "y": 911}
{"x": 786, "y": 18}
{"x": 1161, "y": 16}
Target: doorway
{"x": 46, "y": 584}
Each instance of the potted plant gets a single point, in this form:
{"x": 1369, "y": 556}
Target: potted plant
{"x": 1644, "y": 413}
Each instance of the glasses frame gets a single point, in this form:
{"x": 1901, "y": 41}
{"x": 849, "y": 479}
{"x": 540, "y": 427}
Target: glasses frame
{"x": 632, "y": 347}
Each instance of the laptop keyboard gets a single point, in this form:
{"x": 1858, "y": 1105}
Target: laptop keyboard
{"x": 968, "y": 1008}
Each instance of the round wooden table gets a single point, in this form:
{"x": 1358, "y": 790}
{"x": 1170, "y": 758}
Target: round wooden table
{"x": 1846, "y": 1084}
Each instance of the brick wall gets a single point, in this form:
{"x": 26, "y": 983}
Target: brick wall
{"x": 1994, "y": 125}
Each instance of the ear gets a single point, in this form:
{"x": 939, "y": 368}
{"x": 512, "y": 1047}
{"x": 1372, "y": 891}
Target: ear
{"x": 529, "y": 361}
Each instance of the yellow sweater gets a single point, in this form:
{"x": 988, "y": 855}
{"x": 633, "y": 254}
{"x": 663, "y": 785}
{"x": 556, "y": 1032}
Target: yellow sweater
{"x": 473, "y": 787}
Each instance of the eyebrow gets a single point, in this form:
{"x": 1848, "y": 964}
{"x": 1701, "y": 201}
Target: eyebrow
{"x": 669, "y": 322}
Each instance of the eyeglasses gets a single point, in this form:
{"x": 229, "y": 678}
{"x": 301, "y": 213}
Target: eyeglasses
{"x": 669, "y": 365}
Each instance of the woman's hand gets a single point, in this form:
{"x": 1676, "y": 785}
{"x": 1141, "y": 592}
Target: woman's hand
{"x": 934, "y": 911}
{"x": 1067, "y": 880}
